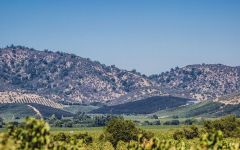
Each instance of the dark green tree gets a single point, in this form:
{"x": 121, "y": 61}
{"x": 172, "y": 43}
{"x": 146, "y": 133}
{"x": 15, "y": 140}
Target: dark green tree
{"x": 119, "y": 129}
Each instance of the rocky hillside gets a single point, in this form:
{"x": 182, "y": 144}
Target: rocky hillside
{"x": 232, "y": 99}
{"x": 201, "y": 82}
{"x": 67, "y": 77}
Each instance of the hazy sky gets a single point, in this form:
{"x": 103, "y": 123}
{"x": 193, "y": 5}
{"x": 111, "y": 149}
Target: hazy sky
{"x": 148, "y": 35}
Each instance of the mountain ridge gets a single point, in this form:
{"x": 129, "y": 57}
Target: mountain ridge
{"x": 202, "y": 82}
{"x": 66, "y": 77}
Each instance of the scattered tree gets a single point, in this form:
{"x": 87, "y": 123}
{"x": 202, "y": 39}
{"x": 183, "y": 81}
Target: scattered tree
{"x": 119, "y": 129}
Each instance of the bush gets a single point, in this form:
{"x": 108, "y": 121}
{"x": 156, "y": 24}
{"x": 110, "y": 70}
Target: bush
{"x": 229, "y": 125}
{"x": 155, "y": 117}
{"x": 32, "y": 134}
{"x": 119, "y": 129}
{"x": 62, "y": 137}
{"x": 146, "y": 123}
{"x": 121, "y": 146}
{"x": 102, "y": 120}
{"x": 178, "y": 135}
{"x": 214, "y": 141}
{"x": 87, "y": 139}
{"x": 156, "y": 122}
{"x": 172, "y": 122}
{"x": 1, "y": 122}
{"x": 189, "y": 133}
{"x": 175, "y": 117}
{"x": 189, "y": 122}
{"x": 207, "y": 142}
{"x": 145, "y": 134}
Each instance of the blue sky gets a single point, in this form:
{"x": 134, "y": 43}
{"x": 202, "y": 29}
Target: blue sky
{"x": 148, "y": 35}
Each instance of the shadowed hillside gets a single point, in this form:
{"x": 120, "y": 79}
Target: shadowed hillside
{"x": 144, "y": 106}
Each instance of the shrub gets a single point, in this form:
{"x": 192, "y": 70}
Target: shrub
{"x": 62, "y": 137}
{"x": 157, "y": 122}
{"x": 121, "y": 146}
{"x": 32, "y": 134}
{"x": 211, "y": 141}
{"x": 172, "y": 122}
{"x": 102, "y": 120}
{"x": 189, "y": 122}
{"x": 155, "y": 117}
{"x": 145, "y": 134}
{"x": 87, "y": 139}
{"x": 175, "y": 122}
{"x": 146, "y": 123}
{"x": 175, "y": 117}
{"x": 188, "y": 133}
{"x": 191, "y": 133}
{"x": 207, "y": 142}
{"x": 229, "y": 125}
{"x": 119, "y": 129}
{"x": 1, "y": 122}
{"x": 178, "y": 135}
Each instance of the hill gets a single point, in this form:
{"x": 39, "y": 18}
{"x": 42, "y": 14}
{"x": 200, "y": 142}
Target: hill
{"x": 145, "y": 106}
{"x": 26, "y": 98}
{"x": 23, "y": 104}
{"x": 67, "y": 78}
{"x": 232, "y": 99}
{"x": 13, "y": 111}
{"x": 222, "y": 106}
{"x": 202, "y": 82}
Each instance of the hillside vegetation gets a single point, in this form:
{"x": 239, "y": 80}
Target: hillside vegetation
{"x": 14, "y": 112}
{"x": 232, "y": 99}
{"x": 69, "y": 78}
{"x": 26, "y": 98}
{"x": 145, "y": 106}
{"x": 203, "y": 109}
{"x": 65, "y": 77}
{"x": 202, "y": 82}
